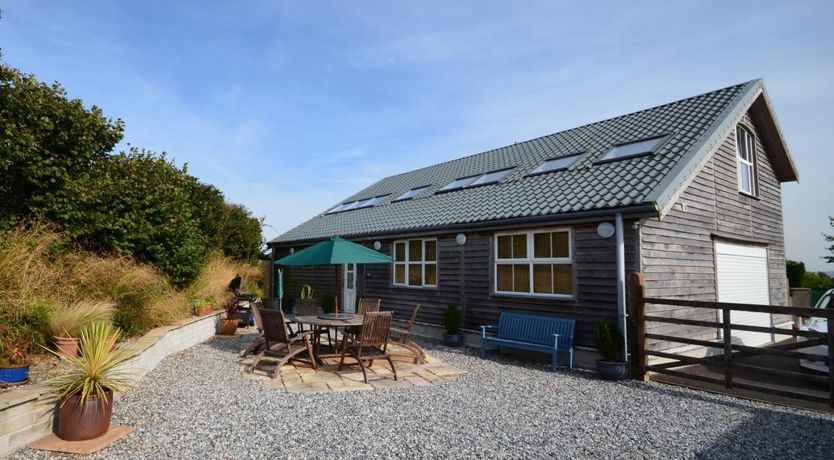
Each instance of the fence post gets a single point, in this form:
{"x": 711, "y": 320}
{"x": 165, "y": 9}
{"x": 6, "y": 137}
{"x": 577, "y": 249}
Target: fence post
{"x": 728, "y": 348}
{"x": 637, "y": 314}
{"x": 829, "y": 320}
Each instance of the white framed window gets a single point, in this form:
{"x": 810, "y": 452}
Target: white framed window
{"x": 746, "y": 161}
{"x": 415, "y": 263}
{"x": 534, "y": 263}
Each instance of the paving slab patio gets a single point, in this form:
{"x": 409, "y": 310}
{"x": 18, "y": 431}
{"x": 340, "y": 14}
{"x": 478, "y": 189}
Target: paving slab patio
{"x": 300, "y": 377}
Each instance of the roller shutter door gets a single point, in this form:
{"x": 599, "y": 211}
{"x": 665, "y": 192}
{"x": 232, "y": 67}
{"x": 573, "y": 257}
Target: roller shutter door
{"x": 742, "y": 277}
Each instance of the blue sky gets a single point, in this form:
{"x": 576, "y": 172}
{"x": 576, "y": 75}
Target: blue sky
{"x": 289, "y": 107}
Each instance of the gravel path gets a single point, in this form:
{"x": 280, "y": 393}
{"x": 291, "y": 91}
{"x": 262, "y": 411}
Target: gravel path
{"x": 196, "y": 405}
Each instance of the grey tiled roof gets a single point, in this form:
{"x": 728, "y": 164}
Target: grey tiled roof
{"x": 584, "y": 186}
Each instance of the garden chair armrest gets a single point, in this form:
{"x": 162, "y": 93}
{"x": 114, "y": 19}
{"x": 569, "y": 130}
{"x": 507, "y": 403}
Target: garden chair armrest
{"x": 484, "y": 329}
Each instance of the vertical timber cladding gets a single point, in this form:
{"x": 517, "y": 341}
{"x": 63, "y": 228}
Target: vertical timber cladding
{"x": 465, "y": 277}
{"x": 677, "y": 253}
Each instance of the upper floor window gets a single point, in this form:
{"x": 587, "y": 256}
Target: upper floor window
{"x": 415, "y": 263}
{"x": 746, "y": 161}
{"x": 538, "y": 263}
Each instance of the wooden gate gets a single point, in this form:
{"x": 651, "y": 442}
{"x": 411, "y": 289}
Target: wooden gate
{"x": 723, "y": 357}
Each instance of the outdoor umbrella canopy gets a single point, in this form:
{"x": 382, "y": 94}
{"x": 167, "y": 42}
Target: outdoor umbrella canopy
{"x": 335, "y": 251}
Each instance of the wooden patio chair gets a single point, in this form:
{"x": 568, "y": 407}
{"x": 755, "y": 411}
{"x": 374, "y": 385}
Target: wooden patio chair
{"x": 259, "y": 343}
{"x": 402, "y": 337}
{"x": 278, "y": 344}
{"x": 309, "y": 307}
{"x": 371, "y": 344}
{"x": 368, "y": 306}
{"x": 365, "y": 306}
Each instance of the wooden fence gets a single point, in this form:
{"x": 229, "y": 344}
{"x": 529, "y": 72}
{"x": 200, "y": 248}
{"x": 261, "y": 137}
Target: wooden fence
{"x": 728, "y": 352}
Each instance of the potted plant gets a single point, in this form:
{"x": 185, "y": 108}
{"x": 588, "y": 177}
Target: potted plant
{"x": 228, "y": 325}
{"x": 14, "y": 362}
{"x": 85, "y": 390}
{"x": 65, "y": 324}
{"x": 609, "y": 343}
{"x": 207, "y": 306}
{"x": 328, "y": 302}
{"x": 452, "y": 320}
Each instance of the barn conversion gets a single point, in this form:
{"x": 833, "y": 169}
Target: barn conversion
{"x": 689, "y": 193}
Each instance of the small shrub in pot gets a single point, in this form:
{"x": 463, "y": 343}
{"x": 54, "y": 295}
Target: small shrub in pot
{"x": 14, "y": 357}
{"x": 228, "y": 325}
{"x": 453, "y": 319}
{"x": 609, "y": 343}
{"x": 66, "y": 323}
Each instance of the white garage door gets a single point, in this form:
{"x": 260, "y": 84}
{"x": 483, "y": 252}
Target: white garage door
{"x": 742, "y": 277}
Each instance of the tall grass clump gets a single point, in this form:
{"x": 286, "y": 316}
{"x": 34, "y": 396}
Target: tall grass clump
{"x": 69, "y": 321}
{"x": 45, "y": 282}
{"x": 213, "y": 280}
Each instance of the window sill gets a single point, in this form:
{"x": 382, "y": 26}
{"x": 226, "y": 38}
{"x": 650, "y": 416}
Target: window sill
{"x": 521, "y": 295}
{"x": 748, "y": 195}
{"x": 406, "y": 286}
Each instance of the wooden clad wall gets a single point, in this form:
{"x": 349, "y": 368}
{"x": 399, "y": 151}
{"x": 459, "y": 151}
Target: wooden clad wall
{"x": 466, "y": 278}
{"x": 677, "y": 252}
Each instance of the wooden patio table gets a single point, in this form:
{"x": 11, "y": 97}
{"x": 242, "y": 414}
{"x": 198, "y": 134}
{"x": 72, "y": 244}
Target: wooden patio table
{"x": 318, "y": 322}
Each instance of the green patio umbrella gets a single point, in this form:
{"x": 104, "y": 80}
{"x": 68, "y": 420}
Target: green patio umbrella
{"x": 335, "y": 251}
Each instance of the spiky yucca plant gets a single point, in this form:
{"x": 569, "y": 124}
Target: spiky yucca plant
{"x": 99, "y": 366}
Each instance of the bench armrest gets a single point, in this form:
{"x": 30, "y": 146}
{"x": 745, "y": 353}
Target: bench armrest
{"x": 484, "y": 329}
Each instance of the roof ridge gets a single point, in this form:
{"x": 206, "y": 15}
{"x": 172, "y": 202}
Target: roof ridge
{"x": 572, "y": 129}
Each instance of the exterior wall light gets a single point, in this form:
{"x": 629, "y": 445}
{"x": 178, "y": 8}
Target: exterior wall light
{"x": 377, "y": 245}
{"x": 460, "y": 239}
{"x": 605, "y": 229}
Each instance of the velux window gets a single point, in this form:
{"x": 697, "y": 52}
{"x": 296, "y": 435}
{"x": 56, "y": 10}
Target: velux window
{"x": 632, "y": 149}
{"x": 415, "y": 263}
{"x": 746, "y": 161}
{"x": 473, "y": 181}
{"x": 536, "y": 263}
{"x": 556, "y": 164}
{"x": 411, "y": 193}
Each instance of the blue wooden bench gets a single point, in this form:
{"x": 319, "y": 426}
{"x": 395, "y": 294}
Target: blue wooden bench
{"x": 535, "y": 333}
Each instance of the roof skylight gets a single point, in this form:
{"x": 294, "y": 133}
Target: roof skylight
{"x": 490, "y": 177}
{"x": 371, "y": 201}
{"x": 411, "y": 193}
{"x": 557, "y": 164}
{"x": 350, "y": 205}
{"x": 632, "y": 149}
{"x": 458, "y": 183}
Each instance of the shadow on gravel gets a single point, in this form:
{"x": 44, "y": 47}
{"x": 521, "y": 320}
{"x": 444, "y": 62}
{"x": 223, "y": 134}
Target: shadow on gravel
{"x": 769, "y": 434}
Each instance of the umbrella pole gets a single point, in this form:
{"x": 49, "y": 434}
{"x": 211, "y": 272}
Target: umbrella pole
{"x": 336, "y": 285}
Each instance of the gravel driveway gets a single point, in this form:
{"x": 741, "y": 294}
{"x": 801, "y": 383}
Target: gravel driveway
{"x": 196, "y": 405}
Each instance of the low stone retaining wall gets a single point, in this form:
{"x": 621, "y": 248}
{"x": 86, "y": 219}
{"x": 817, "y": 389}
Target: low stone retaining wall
{"x": 28, "y": 413}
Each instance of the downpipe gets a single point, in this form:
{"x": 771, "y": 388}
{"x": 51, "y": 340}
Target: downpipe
{"x": 621, "y": 289}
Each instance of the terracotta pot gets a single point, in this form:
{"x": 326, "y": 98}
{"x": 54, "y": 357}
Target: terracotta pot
{"x": 67, "y": 346}
{"x": 79, "y": 422}
{"x": 204, "y": 311}
{"x": 228, "y": 326}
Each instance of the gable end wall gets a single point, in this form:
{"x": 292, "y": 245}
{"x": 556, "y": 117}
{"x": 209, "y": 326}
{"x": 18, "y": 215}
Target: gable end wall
{"x": 677, "y": 252}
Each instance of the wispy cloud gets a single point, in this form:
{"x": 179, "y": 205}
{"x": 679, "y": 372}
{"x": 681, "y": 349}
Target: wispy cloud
{"x": 291, "y": 107}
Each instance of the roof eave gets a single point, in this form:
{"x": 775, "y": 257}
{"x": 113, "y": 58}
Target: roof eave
{"x": 635, "y": 211}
